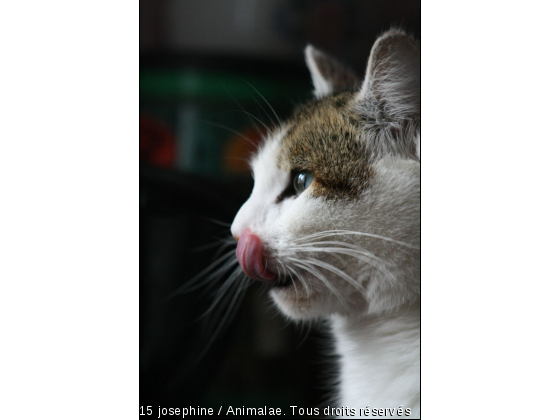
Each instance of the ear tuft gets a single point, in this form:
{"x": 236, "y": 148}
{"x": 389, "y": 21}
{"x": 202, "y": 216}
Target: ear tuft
{"x": 328, "y": 75}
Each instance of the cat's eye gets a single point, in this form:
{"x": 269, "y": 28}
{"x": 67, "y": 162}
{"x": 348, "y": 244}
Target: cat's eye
{"x": 302, "y": 180}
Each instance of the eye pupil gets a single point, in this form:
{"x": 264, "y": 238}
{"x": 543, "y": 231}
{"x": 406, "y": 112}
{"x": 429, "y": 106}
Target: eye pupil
{"x": 302, "y": 180}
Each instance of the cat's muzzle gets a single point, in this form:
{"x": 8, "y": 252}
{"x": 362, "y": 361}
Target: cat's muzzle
{"x": 251, "y": 257}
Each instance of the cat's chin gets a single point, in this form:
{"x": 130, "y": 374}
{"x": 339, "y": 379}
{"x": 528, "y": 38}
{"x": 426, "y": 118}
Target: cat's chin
{"x": 292, "y": 305}
{"x": 298, "y": 303}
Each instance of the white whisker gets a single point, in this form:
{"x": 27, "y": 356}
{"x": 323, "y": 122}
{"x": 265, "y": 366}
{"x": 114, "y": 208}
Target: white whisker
{"x": 336, "y": 271}
{"x": 366, "y": 257}
{"x": 340, "y": 232}
{"x": 300, "y": 277}
{"x": 192, "y": 284}
{"x": 237, "y": 297}
{"x": 325, "y": 281}
{"x": 264, "y": 99}
{"x": 222, "y": 291}
{"x": 356, "y": 248}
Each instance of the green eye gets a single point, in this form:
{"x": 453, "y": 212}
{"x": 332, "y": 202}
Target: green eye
{"x": 302, "y": 180}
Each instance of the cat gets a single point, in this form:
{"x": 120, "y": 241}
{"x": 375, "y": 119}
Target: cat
{"x": 333, "y": 222}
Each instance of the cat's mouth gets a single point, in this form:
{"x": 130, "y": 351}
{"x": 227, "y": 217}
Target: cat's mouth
{"x": 250, "y": 255}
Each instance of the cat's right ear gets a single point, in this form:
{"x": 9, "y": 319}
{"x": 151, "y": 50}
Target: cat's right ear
{"x": 328, "y": 75}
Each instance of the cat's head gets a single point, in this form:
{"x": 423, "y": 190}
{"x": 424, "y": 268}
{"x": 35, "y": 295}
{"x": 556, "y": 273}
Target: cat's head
{"x": 333, "y": 222}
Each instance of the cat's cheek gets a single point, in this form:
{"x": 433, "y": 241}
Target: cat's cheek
{"x": 303, "y": 216}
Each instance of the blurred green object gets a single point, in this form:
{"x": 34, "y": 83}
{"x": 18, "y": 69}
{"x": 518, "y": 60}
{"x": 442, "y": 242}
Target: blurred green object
{"x": 215, "y": 115}
{"x": 197, "y": 84}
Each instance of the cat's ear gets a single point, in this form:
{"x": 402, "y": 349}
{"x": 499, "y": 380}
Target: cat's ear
{"x": 328, "y": 75}
{"x": 391, "y": 88}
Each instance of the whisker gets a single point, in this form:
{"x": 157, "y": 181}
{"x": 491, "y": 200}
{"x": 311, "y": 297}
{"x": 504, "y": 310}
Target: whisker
{"x": 361, "y": 255}
{"x": 252, "y": 116}
{"x": 233, "y": 306}
{"x": 215, "y": 277}
{"x": 208, "y": 246}
{"x": 293, "y": 281}
{"x": 190, "y": 285}
{"x": 366, "y": 257}
{"x": 333, "y": 251}
{"x": 340, "y": 273}
{"x": 221, "y": 292}
{"x": 349, "y": 232}
{"x": 300, "y": 277}
{"x": 325, "y": 281}
{"x": 226, "y": 244}
{"x": 361, "y": 250}
{"x": 222, "y": 241}
{"x": 231, "y": 130}
{"x": 264, "y": 99}
{"x": 219, "y": 222}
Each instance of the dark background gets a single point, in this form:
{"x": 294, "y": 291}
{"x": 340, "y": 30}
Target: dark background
{"x": 205, "y": 67}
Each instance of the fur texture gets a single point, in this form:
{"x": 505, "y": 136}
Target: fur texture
{"x": 348, "y": 247}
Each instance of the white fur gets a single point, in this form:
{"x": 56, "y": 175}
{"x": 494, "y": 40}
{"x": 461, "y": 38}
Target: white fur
{"x": 269, "y": 183}
{"x": 380, "y": 362}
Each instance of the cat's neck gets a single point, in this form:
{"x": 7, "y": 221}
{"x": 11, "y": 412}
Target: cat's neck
{"x": 380, "y": 360}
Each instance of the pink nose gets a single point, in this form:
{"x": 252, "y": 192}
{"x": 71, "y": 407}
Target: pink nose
{"x": 250, "y": 256}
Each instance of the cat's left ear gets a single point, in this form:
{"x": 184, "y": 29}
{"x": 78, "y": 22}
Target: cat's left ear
{"x": 328, "y": 75}
{"x": 391, "y": 88}
{"x": 390, "y": 93}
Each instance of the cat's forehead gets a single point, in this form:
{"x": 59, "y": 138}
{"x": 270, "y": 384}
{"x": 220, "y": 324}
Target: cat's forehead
{"x": 323, "y": 137}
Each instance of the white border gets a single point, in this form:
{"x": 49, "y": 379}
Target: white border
{"x": 69, "y": 212}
